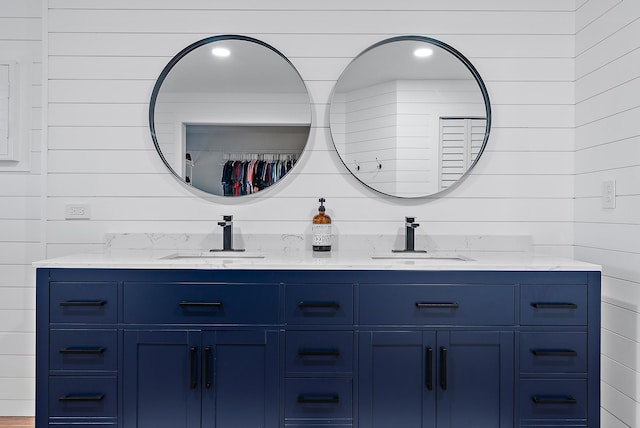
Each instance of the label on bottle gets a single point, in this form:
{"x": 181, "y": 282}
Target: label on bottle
{"x": 321, "y": 235}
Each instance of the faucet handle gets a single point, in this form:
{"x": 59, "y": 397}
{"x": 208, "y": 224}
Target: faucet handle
{"x": 227, "y": 217}
{"x": 410, "y": 219}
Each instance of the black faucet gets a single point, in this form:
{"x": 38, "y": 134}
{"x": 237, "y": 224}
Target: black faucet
{"x": 227, "y": 234}
{"x": 410, "y": 237}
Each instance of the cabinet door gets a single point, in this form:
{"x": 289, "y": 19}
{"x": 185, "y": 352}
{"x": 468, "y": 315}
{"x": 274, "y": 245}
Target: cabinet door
{"x": 475, "y": 380}
{"x": 397, "y": 379}
{"x": 240, "y": 379}
{"x": 160, "y": 377}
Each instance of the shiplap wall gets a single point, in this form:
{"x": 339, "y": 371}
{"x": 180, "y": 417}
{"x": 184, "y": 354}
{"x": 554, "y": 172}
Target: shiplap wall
{"x": 608, "y": 147}
{"x": 104, "y": 57}
{"x": 20, "y": 214}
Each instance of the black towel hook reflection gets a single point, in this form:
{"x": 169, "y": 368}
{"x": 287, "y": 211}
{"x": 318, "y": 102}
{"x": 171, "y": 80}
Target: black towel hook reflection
{"x": 379, "y": 166}
{"x": 357, "y": 166}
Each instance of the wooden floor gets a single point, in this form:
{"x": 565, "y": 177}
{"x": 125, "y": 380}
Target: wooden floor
{"x": 14, "y": 421}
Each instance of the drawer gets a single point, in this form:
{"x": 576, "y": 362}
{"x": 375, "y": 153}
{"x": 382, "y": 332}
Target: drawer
{"x": 559, "y": 399}
{"x": 200, "y": 303}
{"x": 83, "y": 350}
{"x": 319, "y": 352}
{"x": 82, "y": 397}
{"x": 437, "y": 304}
{"x": 83, "y": 302}
{"x": 553, "y": 305}
{"x": 553, "y": 352}
{"x": 318, "y": 399}
{"x": 319, "y": 304}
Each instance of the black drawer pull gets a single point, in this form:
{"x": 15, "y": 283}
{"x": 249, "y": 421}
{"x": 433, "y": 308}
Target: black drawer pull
{"x": 319, "y": 305}
{"x": 184, "y": 304}
{"x": 84, "y": 350}
{"x": 319, "y": 352}
{"x": 83, "y": 303}
{"x": 82, "y": 397}
{"x": 437, "y": 305}
{"x": 554, "y": 352}
{"x": 554, "y": 399}
{"x": 207, "y": 367}
{"x": 318, "y": 399}
{"x": 552, "y": 305}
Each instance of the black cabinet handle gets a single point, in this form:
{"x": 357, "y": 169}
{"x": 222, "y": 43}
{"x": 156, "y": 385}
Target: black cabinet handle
{"x": 443, "y": 368}
{"x": 554, "y": 399}
{"x": 319, "y": 352}
{"x": 554, "y": 352}
{"x": 83, "y": 303}
{"x": 318, "y": 399}
{"x": 554, "y": 305}
{"x": 437, "y": 305}
{"x": 184, "y": 304}
{"x": 319, "y": 305}
{"x": 429, "y": 368}
{"x": 84, "y": 350}
{"x": 207, "y": 367}
{"x": 82, "y": 397}
{"x": 193, "y": 352}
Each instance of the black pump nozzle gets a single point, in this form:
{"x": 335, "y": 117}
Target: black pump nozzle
{"x": 321, "y": 209}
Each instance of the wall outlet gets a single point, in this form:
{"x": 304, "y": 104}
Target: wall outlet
{"x": 609, "y": 194}
{"x": 77, "y": 211}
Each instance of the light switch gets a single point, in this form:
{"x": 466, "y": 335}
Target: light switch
{"x": 609, "y": 194}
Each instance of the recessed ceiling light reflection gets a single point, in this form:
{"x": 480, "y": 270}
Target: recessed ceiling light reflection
{"x": 423, "y": 52}
{"x": 220, "y": 52}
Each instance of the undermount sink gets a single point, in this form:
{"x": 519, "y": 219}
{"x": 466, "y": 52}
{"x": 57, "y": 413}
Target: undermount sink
{"x": 204, "y": 255}
{"x": 422, "y": 257}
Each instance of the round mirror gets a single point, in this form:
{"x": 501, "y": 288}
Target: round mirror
{"x": 410, "y": 116}
{"x": 230, "y": 115}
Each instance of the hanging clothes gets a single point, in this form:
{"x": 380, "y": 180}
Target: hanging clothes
{"x": 245, "y": 177}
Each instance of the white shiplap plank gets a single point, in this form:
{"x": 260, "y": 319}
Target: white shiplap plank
{"x": 609, "y": 129}
{"x": 615, "y": 155}
{"x": 17, "y": 366}
{"x": 18, "y": 343}
{"x": 19, "y": 207}
{"x": 335, "y": 5}
{"x": 21, "y": 8}
{"x": 293, "y": 21}
{"x": 611, "y": 236}
{"x": 19, "y": 230}
{"x": 616, "y": 100}
{"x": 17, "y": 321}
{"x": 590, "y": 211}
{"x": 17, "y": 298}
{"x": 20, "y": 28}
{"x": 17, "y": 275}
{"x": 529, "y": 48}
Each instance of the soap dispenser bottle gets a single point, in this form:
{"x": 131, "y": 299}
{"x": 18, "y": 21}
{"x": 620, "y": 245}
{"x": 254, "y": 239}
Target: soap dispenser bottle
{"x": 321, "y": 229}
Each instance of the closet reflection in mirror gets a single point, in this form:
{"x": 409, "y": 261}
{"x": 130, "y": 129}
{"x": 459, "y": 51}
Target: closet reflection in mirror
{"x": 410, "y": 116}
{"x": 230, "y": 125}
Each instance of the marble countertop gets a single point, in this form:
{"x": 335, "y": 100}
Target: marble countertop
{"x": 308, "y": 260}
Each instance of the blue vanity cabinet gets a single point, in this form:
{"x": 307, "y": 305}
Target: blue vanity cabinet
{"x": 193, "y": 379}
{"x": 181, "y": 348}
{"x": 219, "y": 359}
{"x": 420, "y": 365}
